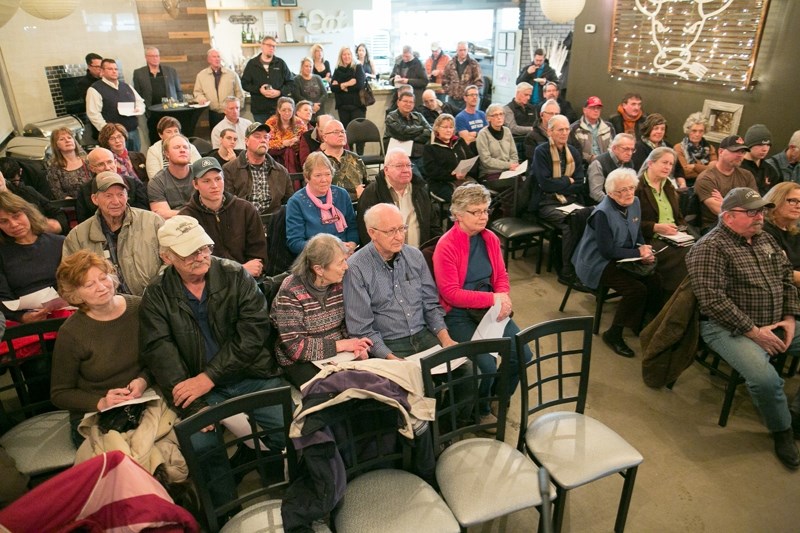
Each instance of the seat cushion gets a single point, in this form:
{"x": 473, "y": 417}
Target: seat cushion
{"x": 577, "y": 449}
{"x": 515, "y": 228}
{"x": 482, "y": 479}
{"x": 41, "y": 443}
{"x": 415, "y": 506}
{"x": 264, "y": 517}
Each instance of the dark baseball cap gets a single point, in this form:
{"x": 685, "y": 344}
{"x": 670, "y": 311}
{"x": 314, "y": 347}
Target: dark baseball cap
{"x": 733, "y": 143}
{"x": 744, "y": 198}
{"x": 203, "y": 165}
{"x": 254, "y": 127}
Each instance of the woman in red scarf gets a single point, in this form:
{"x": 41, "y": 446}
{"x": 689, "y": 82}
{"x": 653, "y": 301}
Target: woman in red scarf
{"x": 441, "y": 157}
{"x": 129, "y": 164}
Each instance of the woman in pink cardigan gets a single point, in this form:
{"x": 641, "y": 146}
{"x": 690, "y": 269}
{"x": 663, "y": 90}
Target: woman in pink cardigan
{"x": 471, "y": 278}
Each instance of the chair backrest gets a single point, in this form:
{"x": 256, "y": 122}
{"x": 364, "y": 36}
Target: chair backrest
{"x": 363, "y": 130}
{"x": 26, "y": 352}
{"x": 558, "y": 372}
{"x": 456, "y": 388}
{"x": 577, "y": 224}
{"x": 262, "y": 462}
{"x": 298, "y": 180}
{"x": 202, "y": 145}
{"x": 427, "y": 248}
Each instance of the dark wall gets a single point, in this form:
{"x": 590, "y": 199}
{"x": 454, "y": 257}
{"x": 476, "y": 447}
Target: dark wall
{"x": 775, "y": 101}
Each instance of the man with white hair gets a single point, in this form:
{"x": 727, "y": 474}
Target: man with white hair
{"x": 214, "y": 84}
{"x": 618, "y": 156}
{"x": 232, "y": 121}
{"x": 520, "y": 114}
{"x": 539, "y": 134}
{"x": 787, "y": 161}
{"x": 461, "y": 72}
{"x": 409, "y": 70}
{"x": 204, "y": 336}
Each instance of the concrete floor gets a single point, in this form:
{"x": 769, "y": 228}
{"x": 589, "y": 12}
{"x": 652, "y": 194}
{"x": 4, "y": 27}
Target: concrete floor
{"x": 696, "y": 476}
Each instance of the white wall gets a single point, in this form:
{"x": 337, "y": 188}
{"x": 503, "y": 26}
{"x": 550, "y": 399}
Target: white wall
{"x": 28, "y": 44}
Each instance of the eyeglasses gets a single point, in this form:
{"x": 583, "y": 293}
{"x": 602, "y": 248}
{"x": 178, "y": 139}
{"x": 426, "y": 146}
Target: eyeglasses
{"x": 625, "y": 190}
{"x": 481, "y": 212}
{"x": 402, "y": 166}
{"x": 752, "y": 213}
{"x": 471, "y": 94}
{"x": 393, "y": 232}
{"x": 625, "y": 149}
{"x": 205, "y": 250}
{"x": 335, "y": 132}
{"x": 794, "y": 202}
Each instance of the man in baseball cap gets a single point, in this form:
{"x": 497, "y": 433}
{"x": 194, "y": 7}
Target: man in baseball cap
{"x": 759, "y": 140}
{"x": 203, "y": 336}
{"x": 124, "y": 235}
{"x": 593, "y": 134}
{"x": 233, "y": 224}
{"x": 715, "y": 182}
{"x": 748, "y": 314}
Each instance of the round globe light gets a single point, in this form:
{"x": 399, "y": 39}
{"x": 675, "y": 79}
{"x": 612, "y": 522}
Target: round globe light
{"x": 562, "y": 11}
{"x": 49, "y": 9}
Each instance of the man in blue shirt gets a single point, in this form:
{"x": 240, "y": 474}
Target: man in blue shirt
{"x": 471, "y": 120}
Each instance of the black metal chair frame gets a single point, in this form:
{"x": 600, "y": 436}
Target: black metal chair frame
{"x": 363, "y": 130}
{"x": 563, "y": 381}
{"x": 213, "y": 416}
{"x": 517, "y": 234}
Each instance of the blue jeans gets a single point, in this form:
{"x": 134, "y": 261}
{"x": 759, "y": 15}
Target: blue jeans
{"x": 217, "y": 471}
{"x": 462, "y": 328}
{"x": 134, "y": 143}
{"x": 752, "y": 362}
{"x": 260, "y": 117}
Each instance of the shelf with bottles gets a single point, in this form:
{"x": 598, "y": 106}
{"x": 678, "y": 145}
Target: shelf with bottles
{"x": 286, "y": 9}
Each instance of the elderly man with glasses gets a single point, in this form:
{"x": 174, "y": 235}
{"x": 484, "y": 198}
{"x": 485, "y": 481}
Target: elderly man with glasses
{"x": 748, "y": 305}
{"x": 397, "y": 184}
{"x": 350, "y": 172}
{"x": 203, "y": 335}
{"x": 619, "y": 156}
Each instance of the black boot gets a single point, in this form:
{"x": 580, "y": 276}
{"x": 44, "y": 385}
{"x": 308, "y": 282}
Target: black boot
{"x": 613, "y": 338}
{"x": 786, "y": 449}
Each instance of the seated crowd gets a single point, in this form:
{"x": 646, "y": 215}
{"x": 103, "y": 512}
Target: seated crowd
{"x": 171, "y": 249}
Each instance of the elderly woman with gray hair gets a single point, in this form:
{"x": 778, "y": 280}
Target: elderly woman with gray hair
{"x": 613, "y": 232}
{"x": 308, "y": 310}
{"x": 496, "y": 148}
{"x": 695, "y": 154}
{"x": 471, "y": 278}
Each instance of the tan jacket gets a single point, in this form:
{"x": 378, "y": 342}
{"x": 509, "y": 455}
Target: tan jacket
{"x": 137, "y": 245}
{"x": 229, "y": 85}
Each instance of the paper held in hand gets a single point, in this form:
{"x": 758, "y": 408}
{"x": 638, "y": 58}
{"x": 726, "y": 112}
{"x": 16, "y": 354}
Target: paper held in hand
{"x": 521, "y": 169}
{"x": 678, "y": 238}
{"x": 569, "y": 208}
{"x": 490, "y": 328}
{"x": 405, "y": 146}
{"x": 43, "y": 298}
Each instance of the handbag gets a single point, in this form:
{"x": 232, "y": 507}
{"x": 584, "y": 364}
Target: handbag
{"x": 366, "y": 96}
{"x": 637, "y": 269}
{"x": 121, "y": 419}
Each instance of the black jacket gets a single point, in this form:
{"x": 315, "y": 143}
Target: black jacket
{"x": 254, "y": 76}
{"x": 414, "y": 70}
{"x": 378, "y": 193}
{"x": 349, "y": 99}
{"x": 172, "y": 345}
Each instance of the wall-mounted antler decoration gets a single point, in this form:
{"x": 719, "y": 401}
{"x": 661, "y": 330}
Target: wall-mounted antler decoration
{"x": 172, "y": 7}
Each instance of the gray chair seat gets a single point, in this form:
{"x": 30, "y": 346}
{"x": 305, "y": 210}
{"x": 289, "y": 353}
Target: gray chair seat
{"x": 489, "y": 472}
{"x": 263, "y": 517}
{"x": 41, "y": 443}
{"x": 393, "y": 501}
{"x": 577, "y": 449}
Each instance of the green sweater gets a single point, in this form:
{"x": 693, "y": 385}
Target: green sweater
{"x": 93, "y": 356}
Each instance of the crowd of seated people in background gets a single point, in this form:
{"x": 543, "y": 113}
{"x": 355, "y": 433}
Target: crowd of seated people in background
{"x": 176, "y": 240}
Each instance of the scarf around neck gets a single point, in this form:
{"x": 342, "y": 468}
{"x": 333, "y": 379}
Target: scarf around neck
{"x": 328, "y": 212}
{"x": 556, "y": 157}
{"x": 628, "y": 121}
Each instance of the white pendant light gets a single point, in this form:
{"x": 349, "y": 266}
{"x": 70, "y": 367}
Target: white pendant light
{"x": 7, "y": 10}
{"x": 49, "y": 9}
{"x": 562, "y": 11}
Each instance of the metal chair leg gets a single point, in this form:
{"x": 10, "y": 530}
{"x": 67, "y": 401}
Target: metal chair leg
{"x": 625, "y": 499}
{"x": 565, "y": 298}
{"x": 730, "y": 392}
{"x": 558, "y": 509}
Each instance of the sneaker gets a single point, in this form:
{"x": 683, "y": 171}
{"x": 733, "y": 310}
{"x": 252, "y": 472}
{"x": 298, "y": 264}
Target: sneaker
{"x": 489, "y": 419}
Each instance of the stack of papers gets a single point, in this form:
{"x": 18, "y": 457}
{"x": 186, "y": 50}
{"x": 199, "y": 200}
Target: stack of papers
{"x": 681, "y": 238}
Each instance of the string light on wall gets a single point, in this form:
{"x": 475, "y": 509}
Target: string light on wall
{"x": 688, "y": 41}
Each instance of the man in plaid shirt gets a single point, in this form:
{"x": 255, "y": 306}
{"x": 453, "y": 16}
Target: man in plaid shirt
{"x": 748, "y": 303}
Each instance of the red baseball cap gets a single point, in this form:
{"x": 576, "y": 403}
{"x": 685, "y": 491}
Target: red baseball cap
{"x": 593, "y": 101}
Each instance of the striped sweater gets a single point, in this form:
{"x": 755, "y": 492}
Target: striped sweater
{"x": 307, "y": 327}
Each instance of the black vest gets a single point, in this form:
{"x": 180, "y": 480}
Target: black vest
{"x": 608, "y": 164}
{"x": 524, "y": 115}
{"x": 111, "y": 97}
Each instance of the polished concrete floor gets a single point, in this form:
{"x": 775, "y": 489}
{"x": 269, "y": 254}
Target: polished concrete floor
{"x": 696, "y": 476}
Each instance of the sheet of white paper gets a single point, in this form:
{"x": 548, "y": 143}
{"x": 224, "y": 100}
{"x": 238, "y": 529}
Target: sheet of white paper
{"x": 569, "y": 208}
{"x": 521, "y": 169}
{"x": 126, "y": 109}
{"x": 679, "y": 237}
{"x": 405, "y": 146}
{"x": 341, "y": 357}
{"x": 490, "y": 328}
{"x": 440, "y": 369}
{"x": 34, "y": 300}
{"x": 629, "y": 260}
{"x": 466, "y": 165}
{"x": 146, "y": 396}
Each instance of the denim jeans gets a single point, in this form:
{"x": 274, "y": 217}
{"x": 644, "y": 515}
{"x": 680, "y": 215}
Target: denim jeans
{"x": 222, "y": 486}
{"x": 462, "y": 328}
{"x": 133, "y": 143}
{"x": 752, "y": 362}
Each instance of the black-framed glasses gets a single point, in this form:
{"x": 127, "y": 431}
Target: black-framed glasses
{"x": 481, "y": 212}
{"x": 794, "y": 202}
{"x": 394, "y": 231}
{"x": 335, "y": 132}
{"x": 752, "y": 213}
